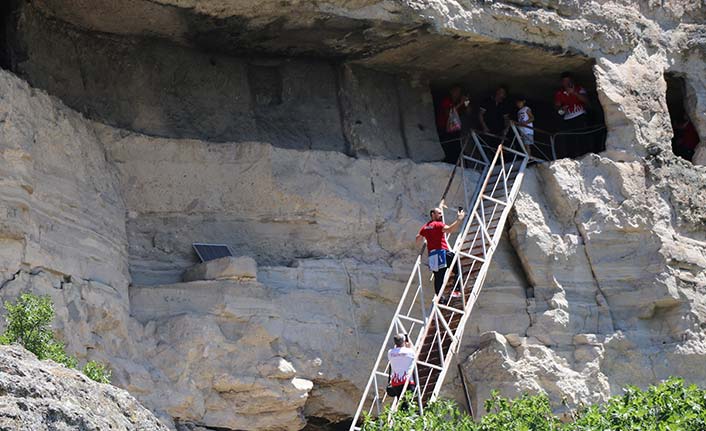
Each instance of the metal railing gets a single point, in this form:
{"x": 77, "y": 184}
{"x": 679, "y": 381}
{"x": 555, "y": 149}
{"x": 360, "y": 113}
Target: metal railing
{"x": 437, "y": 331}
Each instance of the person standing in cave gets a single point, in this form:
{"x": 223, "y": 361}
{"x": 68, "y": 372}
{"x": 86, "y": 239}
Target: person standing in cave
{"x": 449, "y": 122}
{"x": 686, "y": 138}
{"x": 571, "y": 101}
{"x": 434, "y": 232}
{"x": 494, "y": 117}
{"x": 525, "y": 119}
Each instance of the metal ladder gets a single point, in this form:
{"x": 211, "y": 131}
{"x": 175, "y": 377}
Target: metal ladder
{"x": 437, "y": 331}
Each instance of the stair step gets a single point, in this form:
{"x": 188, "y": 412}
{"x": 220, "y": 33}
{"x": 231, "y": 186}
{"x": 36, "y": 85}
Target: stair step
{"x": 479, "y": 241}
{"x": 489, "y": 221}
{"x": 510, "y": 177}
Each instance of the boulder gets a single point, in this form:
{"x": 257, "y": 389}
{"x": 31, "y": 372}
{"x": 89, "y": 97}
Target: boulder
{"x": 43, "y": 396}
{"x": 224, "y": 268}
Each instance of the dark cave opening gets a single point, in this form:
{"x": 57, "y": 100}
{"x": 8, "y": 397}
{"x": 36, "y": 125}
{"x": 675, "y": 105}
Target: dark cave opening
{"x": 686, "y": 137}
{"x": 7, "y": 18}
{"x": 535, "y": 76}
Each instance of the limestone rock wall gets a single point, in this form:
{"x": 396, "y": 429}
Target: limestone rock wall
{"x": 163, "y": 89}
{"x": 274, "y": 205}
{"x": 63, "y": 232}
{"x": 615, "y": 278}
{"x": 598, "y": 282}
{"x": 62, "y": 211}
{"x": 336, "y": 234}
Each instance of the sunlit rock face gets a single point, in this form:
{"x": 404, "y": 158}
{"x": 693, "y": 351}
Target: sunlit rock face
{"x": 42, "y": 396}
{"x": 301, "y": 140}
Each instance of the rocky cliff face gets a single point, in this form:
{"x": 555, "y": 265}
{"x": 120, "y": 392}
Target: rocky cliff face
{"x": 202, "y": 126}
{"x": 41, "y": 395}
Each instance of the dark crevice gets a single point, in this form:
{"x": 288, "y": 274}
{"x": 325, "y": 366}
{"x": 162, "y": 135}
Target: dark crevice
{"x": 686, "y": 137}
{"x": 400, "y": 113}
{"x": 11, "y": 279}
{"x": 9, "y": 10}
{"x": 338, "y": 71}
{"x": 596, "y": 280}
{"x": 190, "y": 426}
{"x": 321, "y": 424}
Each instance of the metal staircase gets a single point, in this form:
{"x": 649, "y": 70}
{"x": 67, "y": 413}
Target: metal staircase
{"x": 437, "y": 330}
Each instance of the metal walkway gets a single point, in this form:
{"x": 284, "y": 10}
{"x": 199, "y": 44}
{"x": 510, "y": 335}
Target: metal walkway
{"x": 437, "y": 328}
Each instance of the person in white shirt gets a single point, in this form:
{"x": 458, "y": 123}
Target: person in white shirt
{"x": 401, "y": 358}
{"x": 525, "y": 121}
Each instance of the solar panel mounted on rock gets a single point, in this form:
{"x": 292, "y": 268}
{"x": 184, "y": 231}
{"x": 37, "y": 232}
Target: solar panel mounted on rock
{"x": 208, "y": 252}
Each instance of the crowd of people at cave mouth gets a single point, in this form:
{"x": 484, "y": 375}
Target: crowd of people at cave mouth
{"x": 493, "y": 116}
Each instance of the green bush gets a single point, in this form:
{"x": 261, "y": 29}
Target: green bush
{"x": 29, "y": 324}
{"x": 669, "y": 406}
{"x": 97, "y": 371}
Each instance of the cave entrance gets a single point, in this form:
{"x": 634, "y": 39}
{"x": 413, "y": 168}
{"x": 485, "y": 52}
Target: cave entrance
{"x": 535, "y": 78}
{"x": 481, "y": 65}
{"x": 686, "y": 137}
{"x": 8, "y": 9}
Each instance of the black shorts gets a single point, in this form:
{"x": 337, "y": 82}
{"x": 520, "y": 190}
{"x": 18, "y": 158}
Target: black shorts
{"x": 396, "y": 391}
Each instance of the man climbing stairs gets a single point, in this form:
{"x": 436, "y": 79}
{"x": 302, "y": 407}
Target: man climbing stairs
{"x": 438, "y": 330}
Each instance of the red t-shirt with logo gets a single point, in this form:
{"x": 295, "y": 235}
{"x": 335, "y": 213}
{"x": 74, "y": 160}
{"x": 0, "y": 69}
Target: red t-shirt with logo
{"x": 433, "y": 231}
{"x": 443, "y": 116}
{"x": 575, "y": 106}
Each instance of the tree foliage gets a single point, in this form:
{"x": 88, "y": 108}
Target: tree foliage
{"x": 668, "y": 406}
{"x": 28, "y": 323}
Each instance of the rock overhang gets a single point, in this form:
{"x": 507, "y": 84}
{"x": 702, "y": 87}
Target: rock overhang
{"x": 391, "y": 36}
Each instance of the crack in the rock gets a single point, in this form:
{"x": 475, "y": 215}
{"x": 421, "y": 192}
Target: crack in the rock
{"x": 11, "y": 279}
{"x": 593, "y": 273}
{"x": 529, "y": 288}
{"x": 353, "y": 315}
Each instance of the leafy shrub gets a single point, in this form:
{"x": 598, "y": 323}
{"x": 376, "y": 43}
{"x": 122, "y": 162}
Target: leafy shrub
{"x": 526, "y": 413}
{"x": 29, "y": 324}
{"x": 97, "y": 371}
{"x": 669, "y": 406}
{"x": 442, "y": 415}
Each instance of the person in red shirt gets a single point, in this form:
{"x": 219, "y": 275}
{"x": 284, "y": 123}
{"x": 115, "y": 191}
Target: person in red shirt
{"x": 454, "y": 101}
{"x": 434, "y": 232}
{"x": 571, "y": 101}
{"x": 686, "y": 138}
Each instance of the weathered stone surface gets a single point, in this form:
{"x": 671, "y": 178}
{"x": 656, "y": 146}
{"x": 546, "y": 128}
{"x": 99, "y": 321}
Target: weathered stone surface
{"x": 599, "y": 283}
{"x": 166, "y": 90}
{"x": 371, "y": 106}
{"x": 222, "y": 268}
{"x": 293, "y": 205}
{"x": 59, "y": 205}
{"x": 252, "y": 355}
{"x": 41, "y": 395}
{"x": 614, "y": 274}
